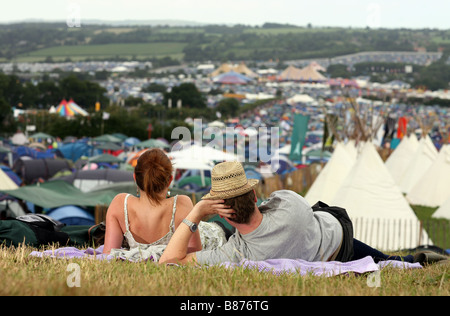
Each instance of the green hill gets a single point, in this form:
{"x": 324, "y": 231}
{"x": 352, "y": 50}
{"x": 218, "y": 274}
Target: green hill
{"x": 38, "y": 41}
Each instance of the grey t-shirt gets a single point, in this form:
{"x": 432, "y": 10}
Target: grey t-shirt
{"x": 289, "y": 229}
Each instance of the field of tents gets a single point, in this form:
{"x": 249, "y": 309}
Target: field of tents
{"x": 379, "y": 172}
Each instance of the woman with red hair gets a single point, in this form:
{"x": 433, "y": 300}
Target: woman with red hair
{"x": 148, "y": 221}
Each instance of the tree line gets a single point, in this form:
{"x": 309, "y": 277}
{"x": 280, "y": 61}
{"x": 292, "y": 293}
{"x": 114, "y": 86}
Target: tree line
{"x": 132, "y": 119}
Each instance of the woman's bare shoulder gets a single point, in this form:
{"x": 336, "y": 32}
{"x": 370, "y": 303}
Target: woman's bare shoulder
{"x": 117, "y": 203}
{"x": 184, "y": 201}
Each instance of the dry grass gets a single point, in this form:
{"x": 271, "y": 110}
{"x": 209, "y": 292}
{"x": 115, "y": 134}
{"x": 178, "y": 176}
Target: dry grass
{"x": 27, "y": 275}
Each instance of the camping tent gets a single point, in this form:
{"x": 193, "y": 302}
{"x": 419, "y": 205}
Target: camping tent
{"x": 433, "y": 188}
{"x": 86, "y": 180}
{"x": 70, "y": 109}
{"x": 107, "y": 158}
{"x": 33, "y": 169}
{"x": 423, "y": 158}
{"x": 131, "y": 141}
{"x": 54, "y": 194}
{"x": 443, "y": 211}
{"x": 12, "y": 175}
{"x": 331, "y": 177}
{"x": 6, "y": 183}
{"x": 72, "y": 215}
{"x": 241, "y": 69}
{"x": 73, "y": 151}
{"x": 299, "y": 98}
{"x": 107, "y": 139}
{"x": 152, "y": 143}
{"x": 19, "y": 138}
{"x": 399, "y": 160}
{"x": 381, "y": 215}
{"x": 231, "y": 77}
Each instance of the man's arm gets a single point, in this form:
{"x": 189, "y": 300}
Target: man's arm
{"x": 176, "y": 250}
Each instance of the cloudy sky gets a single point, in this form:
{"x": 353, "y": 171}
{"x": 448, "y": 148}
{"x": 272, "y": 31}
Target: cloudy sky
{"x": 355, "y": 13}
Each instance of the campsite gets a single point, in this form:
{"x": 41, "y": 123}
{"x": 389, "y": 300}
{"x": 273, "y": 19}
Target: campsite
{"x": 354, "y": 118}
{"x": 75, "y": 182}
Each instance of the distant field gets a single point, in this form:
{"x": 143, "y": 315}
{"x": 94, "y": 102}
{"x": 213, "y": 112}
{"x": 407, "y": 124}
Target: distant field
{"x": 138, "y": 50}
{"x": 287, "y": 30}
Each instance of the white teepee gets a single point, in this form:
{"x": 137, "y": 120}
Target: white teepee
{"x": 423, "y": 158}
{"x": 443, "y": 211}
{"x": 399, "y": 160}
{"x": 381, "y": 216}
{"x": 331, "y": 177}
{"x": 433, "y": 188}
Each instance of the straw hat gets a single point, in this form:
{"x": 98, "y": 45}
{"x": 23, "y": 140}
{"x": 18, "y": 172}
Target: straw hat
{"x": 228, "y": 180}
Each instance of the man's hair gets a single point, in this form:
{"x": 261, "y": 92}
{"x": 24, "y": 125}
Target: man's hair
{"x": 243, "y": 205}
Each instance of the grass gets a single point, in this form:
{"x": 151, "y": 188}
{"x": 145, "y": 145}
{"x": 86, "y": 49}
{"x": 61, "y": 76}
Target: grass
{"x": 438, "y": 229}
{"x": 27, "y": 275}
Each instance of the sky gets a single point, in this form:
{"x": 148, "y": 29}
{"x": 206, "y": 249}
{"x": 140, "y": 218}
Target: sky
{"x": 341, "y": 13}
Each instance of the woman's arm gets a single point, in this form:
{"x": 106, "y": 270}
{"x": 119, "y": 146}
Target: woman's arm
{"x": 177, "y": 249}
{"x": 184, "y": 206}
{"x": 113, "y": 234}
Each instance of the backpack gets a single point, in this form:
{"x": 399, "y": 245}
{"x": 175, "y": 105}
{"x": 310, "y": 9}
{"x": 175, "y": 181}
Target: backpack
{"x": 346, "y": 252}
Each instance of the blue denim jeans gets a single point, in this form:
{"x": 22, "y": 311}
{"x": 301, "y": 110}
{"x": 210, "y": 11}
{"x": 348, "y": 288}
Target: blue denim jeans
{"x": 361, "y": 250}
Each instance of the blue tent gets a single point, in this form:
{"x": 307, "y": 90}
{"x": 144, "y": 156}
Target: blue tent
{"x": 21, "y": 151}
{"x": 12, "y": 175}
{"x": 131, "y": 141}
{"x": 72, "y": 215}
{"x": 74, "y": 151}
{"x": 232, "y": 77}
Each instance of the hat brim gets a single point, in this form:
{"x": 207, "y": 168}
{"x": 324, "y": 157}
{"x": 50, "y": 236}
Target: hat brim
{"x": 232, "y": 193}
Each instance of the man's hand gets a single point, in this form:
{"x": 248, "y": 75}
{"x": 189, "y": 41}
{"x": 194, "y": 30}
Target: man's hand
{"x": 176, "y": 250}
{"x": 210, "y": 207}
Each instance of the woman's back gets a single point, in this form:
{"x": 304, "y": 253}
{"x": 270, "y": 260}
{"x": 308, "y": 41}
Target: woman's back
{"x": 147, "y": 223}
{"x": 154, "y": 226}
{"x": 151, "y": 217}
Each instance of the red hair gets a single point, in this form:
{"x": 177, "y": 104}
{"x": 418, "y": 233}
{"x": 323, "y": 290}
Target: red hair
{"x": 153, "y": 173}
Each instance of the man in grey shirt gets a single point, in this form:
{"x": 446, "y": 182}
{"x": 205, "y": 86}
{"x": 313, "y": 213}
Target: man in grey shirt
{"x": 289, "y": 229}
{"x": 284, "y": 226}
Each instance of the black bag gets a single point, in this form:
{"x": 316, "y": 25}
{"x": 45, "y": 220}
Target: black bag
{"x": 346, "y": 252}
{"x": 97, "y": 235}
{"x": 46, "y": 229}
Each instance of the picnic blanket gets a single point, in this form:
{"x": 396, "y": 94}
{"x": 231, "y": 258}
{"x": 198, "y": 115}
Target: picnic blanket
{"x": 329, "y": 268}
{"x": 275, "y": 266}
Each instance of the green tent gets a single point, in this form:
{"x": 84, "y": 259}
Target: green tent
{"x": 107, "y": 138}
{"x": 41, "y": 136}
{"x": 58, "y": 193}
{"x": 152, "y": 143}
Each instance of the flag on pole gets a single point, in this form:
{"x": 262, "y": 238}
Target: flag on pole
{"x": 298, "y": 136}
